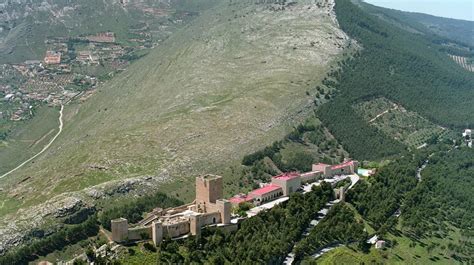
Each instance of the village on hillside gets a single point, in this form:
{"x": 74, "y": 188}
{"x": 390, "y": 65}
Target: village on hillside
{"x": 73, "y": 66}
{"x": 71, "y": 69}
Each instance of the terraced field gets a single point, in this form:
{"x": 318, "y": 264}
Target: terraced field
{"x": 405, "y": 126}
{"x": 464, "y": 62}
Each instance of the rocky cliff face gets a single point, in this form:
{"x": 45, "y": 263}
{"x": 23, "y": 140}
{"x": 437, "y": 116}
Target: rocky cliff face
{"x": 46, "y": 218}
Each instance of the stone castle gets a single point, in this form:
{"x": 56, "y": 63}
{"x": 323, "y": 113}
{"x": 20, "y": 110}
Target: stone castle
{"x": 209, "y": 208}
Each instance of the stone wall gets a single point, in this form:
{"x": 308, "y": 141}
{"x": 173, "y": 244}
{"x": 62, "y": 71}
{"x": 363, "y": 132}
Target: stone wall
{"x": 228, "y": 228}
{"x": 311, "y": 176}
{"x": 210, "y": 218}
{"x": 139, "y": 233}
{"x": 177, "y": 229}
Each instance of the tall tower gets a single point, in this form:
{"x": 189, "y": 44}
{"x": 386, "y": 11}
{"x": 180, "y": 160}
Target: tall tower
{"x": 208, "y": 190}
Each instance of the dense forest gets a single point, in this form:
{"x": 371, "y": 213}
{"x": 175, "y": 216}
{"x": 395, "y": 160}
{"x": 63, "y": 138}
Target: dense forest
{"x": 459, "y": 31}
{"x": 339, "y": 226}
{"x": 379, "y": 197}
{"x": 406, "y": 68}
{"x": 444, "y": 200}
{"x": 444, "y": 195}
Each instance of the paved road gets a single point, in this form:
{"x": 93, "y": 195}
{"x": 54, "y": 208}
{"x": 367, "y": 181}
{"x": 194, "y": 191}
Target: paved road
{"x": 354, "y": 179}
{"x": 44, "y": 148}
{"x": 418, "y": 171}
{"x": 290, "y": 258}
{"x": 325, "y": 250}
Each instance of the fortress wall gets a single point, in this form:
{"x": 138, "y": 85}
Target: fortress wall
{"x": 177, "y": 229}
{"x": 139, "y": 233}
{"x": 210, "y": 218}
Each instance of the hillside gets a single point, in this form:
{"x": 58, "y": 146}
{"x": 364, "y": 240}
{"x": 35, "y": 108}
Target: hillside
{"x": 25, "y": 26}
{"x": 407, "y": 68}
{"x": 234, "y": 80}
{"x": 461, "y": 31}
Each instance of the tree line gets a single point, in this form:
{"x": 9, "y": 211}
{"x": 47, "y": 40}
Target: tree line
{"x": 444, "y": 196}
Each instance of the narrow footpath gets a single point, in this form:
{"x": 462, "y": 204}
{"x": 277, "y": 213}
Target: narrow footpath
{"x": 44, "y": 148}
{"x": 383, "y": 113}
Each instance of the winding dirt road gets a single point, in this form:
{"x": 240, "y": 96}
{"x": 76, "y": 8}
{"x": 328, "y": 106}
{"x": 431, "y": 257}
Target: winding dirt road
{"x": 44, "y": 148}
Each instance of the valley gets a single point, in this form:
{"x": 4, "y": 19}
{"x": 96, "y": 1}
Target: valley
{"x": 113, "y": 118}
{"x": 184, "y": 109}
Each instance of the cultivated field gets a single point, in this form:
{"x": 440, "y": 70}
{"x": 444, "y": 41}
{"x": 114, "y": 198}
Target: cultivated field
{"x": 463, "y": 62}
{"x": 393, "y": 119}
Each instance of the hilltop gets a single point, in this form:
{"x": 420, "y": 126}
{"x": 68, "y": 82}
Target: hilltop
{"x": 248, "y": 90}
{"x": 239, "y": 77}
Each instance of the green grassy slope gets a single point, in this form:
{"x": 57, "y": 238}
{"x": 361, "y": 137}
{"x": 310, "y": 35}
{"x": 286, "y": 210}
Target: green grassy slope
{"x": 23, "y": 37}
{"x": 28, "y": 138}
{"x": 230, "y": 83}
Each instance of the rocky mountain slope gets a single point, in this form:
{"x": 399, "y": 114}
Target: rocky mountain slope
{"x": 236, "y": 79}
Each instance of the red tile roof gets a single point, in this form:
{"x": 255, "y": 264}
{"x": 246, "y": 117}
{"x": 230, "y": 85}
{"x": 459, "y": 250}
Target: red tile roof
{"x": 287, "y": 176}
{"x": 264, "y": 190}
{"x": 348, "y": 163}
{"x": 239, "y": 199}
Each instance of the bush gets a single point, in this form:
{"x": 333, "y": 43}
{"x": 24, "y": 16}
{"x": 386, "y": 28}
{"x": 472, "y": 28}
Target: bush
{"x": 148, "y": 246}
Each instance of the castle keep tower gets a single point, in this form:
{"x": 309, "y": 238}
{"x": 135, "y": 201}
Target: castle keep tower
{"x": 208, "y": 191}
{"x": 209, "y": 208}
